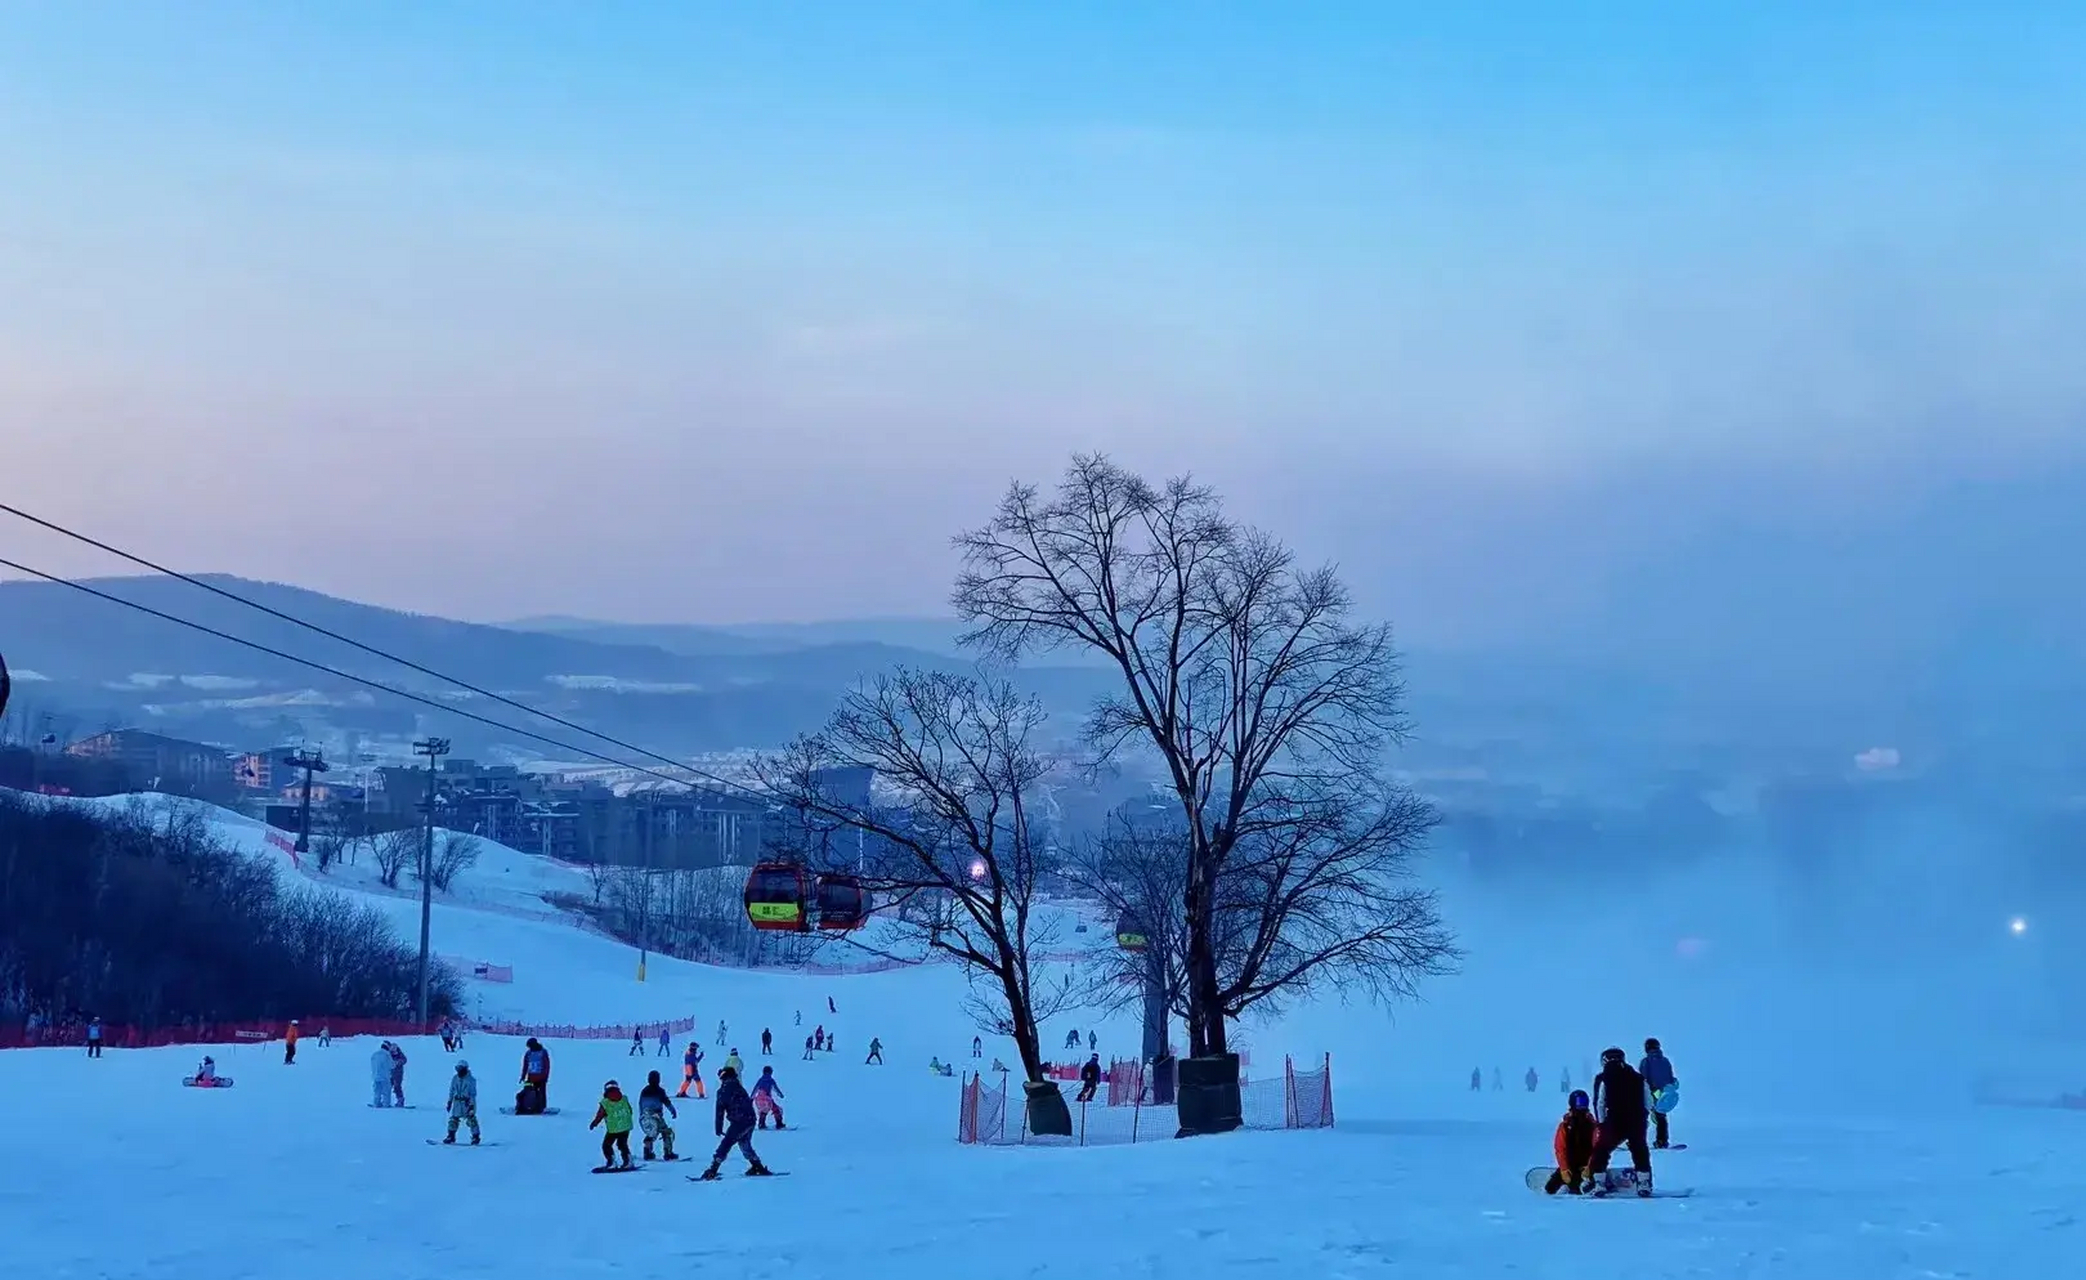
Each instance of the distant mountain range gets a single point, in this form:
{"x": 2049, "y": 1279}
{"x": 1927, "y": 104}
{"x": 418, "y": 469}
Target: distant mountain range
{"x": 675, "y": 689}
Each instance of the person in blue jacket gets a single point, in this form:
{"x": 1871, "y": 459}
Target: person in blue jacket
{"x": 735, "y": 1122}
{"x": 1658, "y": 1075}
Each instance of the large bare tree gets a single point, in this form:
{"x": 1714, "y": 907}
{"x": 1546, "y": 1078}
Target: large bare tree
{"x": 1270, "y": 709}
{"x": 957, "y": 862}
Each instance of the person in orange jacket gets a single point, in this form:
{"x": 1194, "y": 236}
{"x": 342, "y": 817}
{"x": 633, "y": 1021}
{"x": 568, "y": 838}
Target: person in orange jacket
{"x": 1572, "y": 1146}
{"x": 289, "y": 1043}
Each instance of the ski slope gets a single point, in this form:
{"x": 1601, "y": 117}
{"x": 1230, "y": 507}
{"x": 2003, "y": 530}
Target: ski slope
{"x": 119, "y": 1172}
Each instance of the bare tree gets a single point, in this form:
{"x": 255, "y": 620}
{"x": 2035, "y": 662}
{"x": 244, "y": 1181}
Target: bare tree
{"x": 394, "y": 851}
{"x": 1270, "y": 710}
{"x": 960, "y": 862}
{"x": 327, "y": 848}
{"x": 454, "y": 855}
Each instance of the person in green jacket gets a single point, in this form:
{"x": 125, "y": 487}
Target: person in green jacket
{"x": 614, "y": 1112}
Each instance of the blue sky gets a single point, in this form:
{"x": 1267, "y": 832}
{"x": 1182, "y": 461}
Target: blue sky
{"x": 775, "y": 296}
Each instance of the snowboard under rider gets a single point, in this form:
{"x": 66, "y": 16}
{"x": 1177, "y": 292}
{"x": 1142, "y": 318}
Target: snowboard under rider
{"x": 767, "y": 1099}
{"x": 735, "y": 1124}
{"x": 1658, "y": 1077}
{"x": 1572, "y": 1146}
{"x": 653, "y": 1107}
{"x": 1622, "y": 1102}
{"x": 614, "y": 1112}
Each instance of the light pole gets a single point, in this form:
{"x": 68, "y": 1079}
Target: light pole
{"x": 434, "y": 749}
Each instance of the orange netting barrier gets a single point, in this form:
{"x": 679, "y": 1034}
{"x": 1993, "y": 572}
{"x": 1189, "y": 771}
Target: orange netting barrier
{"x": 73, "y": 1035}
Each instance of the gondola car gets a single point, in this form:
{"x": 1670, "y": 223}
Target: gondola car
{"x": 1130, "y": 934}
{"x": 778, "y": 896}
{"x": 842, "y": 902}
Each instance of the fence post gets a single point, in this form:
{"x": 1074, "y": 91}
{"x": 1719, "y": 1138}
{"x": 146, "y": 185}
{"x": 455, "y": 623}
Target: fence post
{"x": 1082, "y": 1124}
{"x": 1137, "y": 1105}
{"x": 1329, "y": 1089}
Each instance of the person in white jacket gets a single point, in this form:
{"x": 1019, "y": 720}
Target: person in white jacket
{"x": 380, "y": 1076}
{"x": 463, "y": 1102}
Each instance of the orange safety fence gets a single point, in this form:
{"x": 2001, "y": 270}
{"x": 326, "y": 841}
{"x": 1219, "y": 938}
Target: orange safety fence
{"x": 73, "y": 1035}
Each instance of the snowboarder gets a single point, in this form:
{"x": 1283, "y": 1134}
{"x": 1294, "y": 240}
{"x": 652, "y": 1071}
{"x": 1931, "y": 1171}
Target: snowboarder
{"x": 398, "y": 1074}
{"x": 1477, "y": 1080}
{"x": 876, "y": 1053}
{"x": 1622, "y": 1102}
{"x": 653, "y": 1107}
{"x": 637, "y": 1043}
{"x": 1072, "y": 1038}
{"x": 733, "y": 1062}
{"x": 534, "y": 1097}
{"x": 463, "y": 1103}
{"x": 829, "y": 1005}
{"x": 800, "y": 1018}
{"x": 1089, "y": 1079}
{"x": 325, "y": 1035}
{"x": 735, "y": 1125}
{"x": 206, "y": 1074}
{"x": 448, "y": 1034}
{"x": 720, "y": 1031}
{"x": 1093, "y": 1040}
{"x": 807, "y": 1048}
{"x": 767, "y": 1043}
{"x": 94, "y": 1038}
{"x": 1572, "y": 1146}
{"x": 380, "y": 1076}
{"x": 665, "y": 1042}
{"x": 289, "y": 1044}
{"x": 1530, "y": 1079}
{"x": 692, "y": 1071}
{"x": 977, "y": 1047}
{"x": 1658, "y": 1077}
{"x": 818, "y": 1036}
{"x": 613, "y": 1112}
{"x": 767, "y": 1098}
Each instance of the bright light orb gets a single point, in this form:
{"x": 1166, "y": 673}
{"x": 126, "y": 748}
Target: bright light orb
{"x": 2018, "y": 926}
{"x": 978, "y": 869}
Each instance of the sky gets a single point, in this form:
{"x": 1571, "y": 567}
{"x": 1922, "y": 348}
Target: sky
{"x": 1519, "y": 311}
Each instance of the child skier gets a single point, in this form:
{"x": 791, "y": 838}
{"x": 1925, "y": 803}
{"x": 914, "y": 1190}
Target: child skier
{"x": 767, "y": 1098}
{"x": 380, "y": 1076}
{"x": 692, "y": 1071}
{"x": 653, "y": 1107}
{"x": 613, "y": 1112}
{"x": 1572, "y": 1146}
{"x": 398, "y": 1073}
{"x": 735, "y": 1124}
{"x": 463, "y": 1103}
{"x": 733, "y": 1063}
{"x": 767, "y": 1043}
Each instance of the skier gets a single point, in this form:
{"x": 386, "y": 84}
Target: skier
{"x": 448, "y": 1035}
{"x": 665, "y": 1042}
{"x": 692, "y": 1070}
{"x": 289, "y": 1044}
{"x": 613, "y": 1112}
{"x": 1658, "y": 1077}
{"x": 807, "y": 1048}
{"x": 1093, "y": 1040}
{"x": 876, "y": 1052}
{"x": 1530, "y": 1079}
{"x": 720, "y": 1031}
{"x": 1572, "y": 1146}
{"x": 380, "y": 1076}
{"x": 767, "y": 1098}
{"x": 94, "y": 1038}
{"x": 1089, "y": 1079}
{"x": 637, "y": 1043}
{"x": 1622, "y": 1102}
{"x": 977, "y": 1047}
{"x": 1477, "y": 1080}
{"x": 534, "y": 1097}
{"x": 767, "y": 1043}
{"x": 463, "y": 1103}
{"x": 818, "y": 1036}
{"x": 398, "y": 1074}
{"x": 800, "y": 1018}
{"x": 829, "y": 1005}
{"x": 832, "y": 1043}
{"x": 653, "y": 1107}
{"x": 735, "y": 1124}
{"x": 733, "y": 1062}
{"x": 325, "y": 1035}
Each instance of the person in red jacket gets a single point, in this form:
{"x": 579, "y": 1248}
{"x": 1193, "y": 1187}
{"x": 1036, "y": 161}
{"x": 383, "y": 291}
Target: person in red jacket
{"x": 1572, "y": 1146}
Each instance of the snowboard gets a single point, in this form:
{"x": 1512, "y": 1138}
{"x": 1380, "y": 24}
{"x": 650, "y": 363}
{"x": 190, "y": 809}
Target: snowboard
{"x": 391, "y": 1107}
{"x": 1621, "y": 1184}
{"x": 222, "y": 1082}
{"x": 617, "y": 1168}
{"x": 460, "y": 1142}
{"x": 547, "y": 1111}
{"x": 777, "y": 1173}
{"x": 1666, "y": 1100}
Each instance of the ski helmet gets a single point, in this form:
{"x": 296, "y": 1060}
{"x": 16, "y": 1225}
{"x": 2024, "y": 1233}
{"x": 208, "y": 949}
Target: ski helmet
{"x": 1579, "y": 1100}
{"x": 653, "y": 1078}
{"x": 1614, "y": 1055}
{"x": 462, "y": 1067}
{"x": 1651, "y": 1045}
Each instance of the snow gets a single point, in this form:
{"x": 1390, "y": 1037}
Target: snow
{"x": 1811, "y": 1157}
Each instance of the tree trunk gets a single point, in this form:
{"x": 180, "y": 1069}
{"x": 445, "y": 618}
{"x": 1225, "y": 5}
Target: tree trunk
{"x": 1205, "y": 1007}
{"x": 1027, "y": 1039}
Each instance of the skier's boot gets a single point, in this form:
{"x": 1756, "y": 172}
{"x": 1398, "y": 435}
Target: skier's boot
{"x": 710, "y": 1174}
{"x": 759, "y": 1170}
{"x": 450, "y": 1139}
{"x": 1644, "y": 1185}
{"x": 648, "y": 1151}
{"x": 474, "y": 1139}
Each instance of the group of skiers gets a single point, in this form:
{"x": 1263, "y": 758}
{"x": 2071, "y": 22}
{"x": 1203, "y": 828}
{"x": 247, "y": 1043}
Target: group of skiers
{"x": 1622, "y": 1111}
{"x": 739, "y": 1112}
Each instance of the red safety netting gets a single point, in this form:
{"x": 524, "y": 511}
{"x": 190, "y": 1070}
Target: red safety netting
{"x": 74, "y": 1035}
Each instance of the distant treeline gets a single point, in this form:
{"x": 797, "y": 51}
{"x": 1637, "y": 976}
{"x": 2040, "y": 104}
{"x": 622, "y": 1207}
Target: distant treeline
{"x": 142, "y": 917}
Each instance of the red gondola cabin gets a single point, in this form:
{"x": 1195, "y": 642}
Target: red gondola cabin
{"x": 776, "y": 897}
{"x": 842, "y": 902}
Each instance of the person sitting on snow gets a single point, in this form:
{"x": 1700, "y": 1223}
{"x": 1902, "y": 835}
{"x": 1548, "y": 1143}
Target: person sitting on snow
{"x": 1572, "y": 1146}
{"x": 207, "y": 1073}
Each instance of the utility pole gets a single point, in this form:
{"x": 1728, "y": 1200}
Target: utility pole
{"x": 644, "y": 910}
{"x": 310, "y": 762}
{"x": 434, "y": 749}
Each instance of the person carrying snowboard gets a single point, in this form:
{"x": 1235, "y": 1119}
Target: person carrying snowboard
{"x": 692, "y": 1071}
{"x": 534, "y": 1098}
{"x": 1572, "y": 1146}
{"x": 653, "y": 1107}
{"x": 463, "y": 1103}
{"x": 767, "y": 1099}
{"x": 614, "y": 1112}
{"x": 1622, "y": 1103}
{"x": 1658, "y": 1077}
{"x": 380, "y": 1076}
{"x": 735, "y": 1124}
